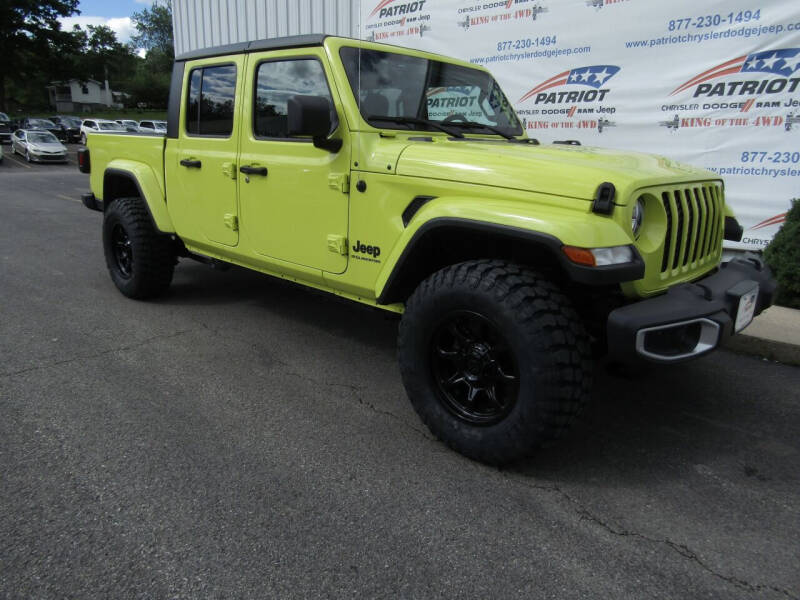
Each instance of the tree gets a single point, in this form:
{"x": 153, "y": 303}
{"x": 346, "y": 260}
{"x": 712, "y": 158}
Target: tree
{"x": 154, "y": 29}
{"x": 783, "y": 257}
{"x": 30, "y": 34}
{"x": 154, "y": 33}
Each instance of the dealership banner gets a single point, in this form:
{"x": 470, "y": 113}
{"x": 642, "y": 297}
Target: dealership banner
{"x": 712, "y": 83}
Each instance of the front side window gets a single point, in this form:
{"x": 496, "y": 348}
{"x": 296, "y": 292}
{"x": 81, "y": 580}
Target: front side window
{"x": 211, "y": 99}
{"x": 388, "y": 84}
{"x": 276, "y": 82}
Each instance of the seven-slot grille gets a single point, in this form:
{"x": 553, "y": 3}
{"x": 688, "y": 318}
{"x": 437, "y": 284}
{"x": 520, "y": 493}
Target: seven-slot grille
{"x": 694, "y": 226}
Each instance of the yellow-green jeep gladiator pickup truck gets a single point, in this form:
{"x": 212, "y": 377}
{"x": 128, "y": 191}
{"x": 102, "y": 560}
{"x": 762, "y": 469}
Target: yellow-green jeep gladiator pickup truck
{"x": 404, "y": 180}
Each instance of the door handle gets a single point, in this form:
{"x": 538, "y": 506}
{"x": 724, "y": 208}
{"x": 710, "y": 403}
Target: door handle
{"x": 191, "y": 163}
{"x": 249, "y": 170}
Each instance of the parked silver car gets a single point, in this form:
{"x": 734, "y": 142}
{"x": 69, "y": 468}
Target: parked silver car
{"x": 35, "y": 145}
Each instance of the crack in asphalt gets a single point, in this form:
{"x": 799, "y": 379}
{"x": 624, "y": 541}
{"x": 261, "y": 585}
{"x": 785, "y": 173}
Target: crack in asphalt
{"x": 682, "y": 549}
{"x": 66, "y": 361}
{"x": 355, "y": 390}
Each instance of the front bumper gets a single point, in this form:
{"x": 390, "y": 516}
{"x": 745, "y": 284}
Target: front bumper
{"x": 690, "y": 319}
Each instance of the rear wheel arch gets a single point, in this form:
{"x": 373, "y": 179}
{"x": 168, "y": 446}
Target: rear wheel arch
{"x": 446, "y": 241}
{"x": 123, "y": 184}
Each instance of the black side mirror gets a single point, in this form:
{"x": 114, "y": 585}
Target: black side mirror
{"x": 311, "y": 116}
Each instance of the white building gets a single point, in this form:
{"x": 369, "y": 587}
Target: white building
{"x": 205, "y": 23}
{"x": 81, "y": 96}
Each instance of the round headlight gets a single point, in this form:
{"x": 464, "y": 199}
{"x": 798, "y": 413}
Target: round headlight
{"x": 637, "y": 217}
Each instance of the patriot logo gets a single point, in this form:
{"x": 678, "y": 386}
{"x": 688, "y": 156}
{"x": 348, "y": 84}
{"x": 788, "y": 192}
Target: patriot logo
{"x": 593, "y": 77}
{"x": 782, "y": 63}
{"x": 389, "y": 8}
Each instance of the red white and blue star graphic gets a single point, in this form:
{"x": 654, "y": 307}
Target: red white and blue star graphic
{"x": 782, "y": 62}
{"x": 593, "y": 76}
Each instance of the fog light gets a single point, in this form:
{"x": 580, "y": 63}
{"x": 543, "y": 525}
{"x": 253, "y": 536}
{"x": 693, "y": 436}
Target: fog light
{"x": 676, "y": 341}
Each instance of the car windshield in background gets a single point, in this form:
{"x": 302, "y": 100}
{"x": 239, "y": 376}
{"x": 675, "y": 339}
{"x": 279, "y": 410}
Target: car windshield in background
{"x": 42, "y": 123}
{"x": 42, "y": 137}
{"x": 4, "y": 117}
{"x": 71, "y": 121}
{"x": 111, "y": 127}
{"x": 407, "y": 87}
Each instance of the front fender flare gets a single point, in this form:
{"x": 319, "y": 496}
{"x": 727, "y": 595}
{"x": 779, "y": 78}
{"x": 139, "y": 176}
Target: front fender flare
{"x": 545, "y": 227}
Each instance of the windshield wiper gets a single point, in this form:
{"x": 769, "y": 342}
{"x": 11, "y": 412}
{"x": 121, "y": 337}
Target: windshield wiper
{"x": 476, "y": 125}
{"x": 416, "y": 121}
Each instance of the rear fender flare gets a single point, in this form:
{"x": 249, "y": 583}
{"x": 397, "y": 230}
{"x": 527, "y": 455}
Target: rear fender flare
{"x": 148, "y": 186}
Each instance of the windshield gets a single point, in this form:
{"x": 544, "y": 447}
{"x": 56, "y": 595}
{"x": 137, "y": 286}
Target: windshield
{"x": 397, "y": 85}
{"x": 71, "y": 121}
{"x": 41, "y": 123}
{"x": 4, "y": 117}
{"x": 111, "y": 127}
{"x": 160, "y": 124}
{"x": 42, "y": 137}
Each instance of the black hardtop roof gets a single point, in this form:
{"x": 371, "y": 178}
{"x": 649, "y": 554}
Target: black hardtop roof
{"x": 280, "y": 43}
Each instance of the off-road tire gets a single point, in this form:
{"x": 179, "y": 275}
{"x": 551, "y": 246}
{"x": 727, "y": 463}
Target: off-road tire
{"x": 146, "y": 270}
{"x": 541, "y": 331}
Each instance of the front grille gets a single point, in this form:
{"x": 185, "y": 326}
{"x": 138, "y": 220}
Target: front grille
{"x": 694, "y": 227}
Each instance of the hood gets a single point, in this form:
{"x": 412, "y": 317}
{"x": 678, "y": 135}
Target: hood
{"x": 573, "y": 171}
{"x": 47, "y": 146}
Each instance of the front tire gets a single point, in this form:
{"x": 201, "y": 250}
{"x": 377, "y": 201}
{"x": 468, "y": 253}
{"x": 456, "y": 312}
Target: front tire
{"x": 495, "y": 360}
{"x": 140, "y": 259}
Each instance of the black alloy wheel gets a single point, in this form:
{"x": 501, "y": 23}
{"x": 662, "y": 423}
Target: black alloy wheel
{"x": 474, "y": 369}
{"x": 123, "y": 250}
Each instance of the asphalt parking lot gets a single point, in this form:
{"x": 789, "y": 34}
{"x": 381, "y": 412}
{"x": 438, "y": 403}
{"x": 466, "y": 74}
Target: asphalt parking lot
{"x": 243, "y": 437}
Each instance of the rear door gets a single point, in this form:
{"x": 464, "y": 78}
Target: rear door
{"x": 200, "y": 168}
{"x": 297, "y": 209}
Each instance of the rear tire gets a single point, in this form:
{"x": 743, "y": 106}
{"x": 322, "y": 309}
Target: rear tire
{"x": 494, "y": 359}
{"x": 140, "y": 259}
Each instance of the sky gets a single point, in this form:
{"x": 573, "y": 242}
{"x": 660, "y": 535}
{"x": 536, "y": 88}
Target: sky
{"x": 116, "y": 14}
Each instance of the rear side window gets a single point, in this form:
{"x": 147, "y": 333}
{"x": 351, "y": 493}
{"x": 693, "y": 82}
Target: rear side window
{"x": 276, "y": 82}
{"x": 210, "y": 101}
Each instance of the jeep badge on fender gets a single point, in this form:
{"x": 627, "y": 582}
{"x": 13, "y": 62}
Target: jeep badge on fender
{"x": 373, "y": 251}
{"x": 511, "y": 263}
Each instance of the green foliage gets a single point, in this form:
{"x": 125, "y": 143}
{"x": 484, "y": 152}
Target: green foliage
{"x": 150, "y": 85}
{"x": 31, "y": 40}
{"x": 154, "y": 28}
{"x": 783, "y": 257}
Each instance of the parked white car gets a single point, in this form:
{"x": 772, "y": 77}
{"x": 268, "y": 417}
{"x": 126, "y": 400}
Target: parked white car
{"x": 153, "y": 127}
{"x": 99, "y": 126}
{"x": 39, "y": 146}
{"x": 128, "y": 124}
